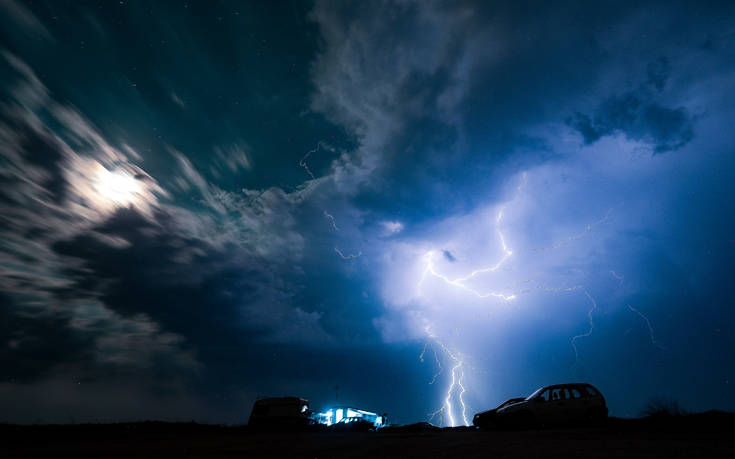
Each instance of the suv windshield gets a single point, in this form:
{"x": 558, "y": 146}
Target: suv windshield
{"x": 591, "y": 391}
{"x": 535, "y": 393}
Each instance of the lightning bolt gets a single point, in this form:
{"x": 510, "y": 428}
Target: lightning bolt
{"x": 436, "y": 360}
{"x": 507, "y": 252}
{"x": 456, "y": 385}
{"x": 650, "y": 327}
{"x": 651, "y": 333}
{"x": 331, "y": 219}
{"x": 349, "y": 256}
{"x": 303, "y": 162}
{"x": 460, "y": 281}
{"x": 591, "y": 322}
{"x": 574, "y": 237}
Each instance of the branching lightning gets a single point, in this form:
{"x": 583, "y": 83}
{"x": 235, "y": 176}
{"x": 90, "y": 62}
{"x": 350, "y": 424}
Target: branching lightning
{"x": 456, "y": 387}
{"x": 331, "y": 219}
{"x": 303, "y": 162}
{"x": 651, "y": 333}
{"x": 438, "y": 362}
{"x": 650, "y": 327}
{"x": 591, "y": 322}
{"x": 507, "y": 252}
{"x": 547, "y": 289}
{"x": 574, "y": 237}
{"x": 349, "y": 256}
{"x": 333, "y": 223}
{"x": 460, "y": 282}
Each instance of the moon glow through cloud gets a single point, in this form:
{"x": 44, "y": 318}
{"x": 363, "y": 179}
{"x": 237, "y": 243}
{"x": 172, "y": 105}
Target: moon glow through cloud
{"x": 433, "y": 206}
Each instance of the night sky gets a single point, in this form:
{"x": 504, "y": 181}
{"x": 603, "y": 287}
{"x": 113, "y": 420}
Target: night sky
{"x": 202, "y": 203}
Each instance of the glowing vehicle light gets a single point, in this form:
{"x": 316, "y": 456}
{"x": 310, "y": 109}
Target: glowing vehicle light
{"x": 347, "y": 415}
{"x": 119, "y": 187}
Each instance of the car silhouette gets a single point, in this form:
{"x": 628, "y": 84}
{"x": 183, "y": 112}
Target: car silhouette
{"x": 353, "y": 424}
{"x": 279, "y": 413}
{"x": 559, "y": 404}
{"x": 488, "y": 419}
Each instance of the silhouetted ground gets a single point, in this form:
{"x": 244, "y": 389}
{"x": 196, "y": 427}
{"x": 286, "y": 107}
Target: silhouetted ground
{"x": 701, "y": 435}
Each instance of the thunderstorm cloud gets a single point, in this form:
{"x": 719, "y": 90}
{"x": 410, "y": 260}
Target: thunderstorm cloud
{"x": 203, "y": 203}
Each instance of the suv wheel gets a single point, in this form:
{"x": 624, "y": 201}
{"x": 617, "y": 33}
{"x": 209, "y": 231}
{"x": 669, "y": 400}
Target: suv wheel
{"x": 596, "y": 417}
{"x": 527, "y": 420}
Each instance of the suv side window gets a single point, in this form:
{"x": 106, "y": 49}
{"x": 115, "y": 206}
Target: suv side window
{"x": 591, "y": 391}
{"x": 544, "y": 395}
{"x": 557, "y": 394}
{"x": 567, "y": 396}
{"x": 261, "y": 410}
{"x": 575, "y": 393}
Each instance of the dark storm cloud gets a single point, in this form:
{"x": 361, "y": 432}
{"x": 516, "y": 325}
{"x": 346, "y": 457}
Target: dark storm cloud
{"x": 394, "y": 86}
{"x": 222, "y": 279}
{"x": 658, "y": 72}
{"x": 41, "y": 151}
{"x": 479, "y": 83}
{"x": 34, "y": 342}
{"x": 637, "y": 115}
{"x": 501, "y": 102}
{"x": 184, "y": 284}
{"x": 139, "y": 286}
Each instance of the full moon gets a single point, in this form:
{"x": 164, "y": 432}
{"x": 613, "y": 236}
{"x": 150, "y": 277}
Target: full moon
{"x": 118, "y": 186}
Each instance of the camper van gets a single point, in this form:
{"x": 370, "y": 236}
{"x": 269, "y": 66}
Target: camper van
{"x": 346, "y": 415}
{"x": 280, "y": 412}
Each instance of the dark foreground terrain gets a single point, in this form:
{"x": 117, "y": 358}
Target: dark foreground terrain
{"x": 701, "y": 435}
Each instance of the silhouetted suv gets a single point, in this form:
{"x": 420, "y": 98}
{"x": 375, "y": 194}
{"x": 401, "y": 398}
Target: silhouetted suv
{"x": 561, "y": 404}
{"x": 488, "y": 419}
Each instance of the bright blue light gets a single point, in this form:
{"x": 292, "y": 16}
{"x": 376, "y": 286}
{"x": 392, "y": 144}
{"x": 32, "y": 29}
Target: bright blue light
{"x": 346, "y": 415}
